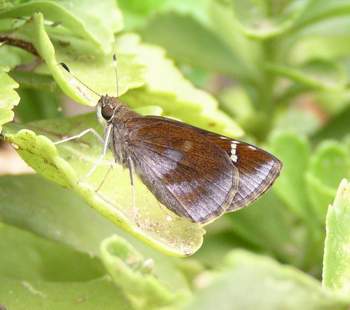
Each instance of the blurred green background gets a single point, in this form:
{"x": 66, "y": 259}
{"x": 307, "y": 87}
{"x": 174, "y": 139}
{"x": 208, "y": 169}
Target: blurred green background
{"x": 271, "y": 72}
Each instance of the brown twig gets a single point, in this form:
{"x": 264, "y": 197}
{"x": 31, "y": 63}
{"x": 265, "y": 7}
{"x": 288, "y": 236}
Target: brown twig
{"x": 29, "y": 47}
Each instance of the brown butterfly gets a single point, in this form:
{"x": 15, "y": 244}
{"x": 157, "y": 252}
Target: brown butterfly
{"x": 195, "y": 173}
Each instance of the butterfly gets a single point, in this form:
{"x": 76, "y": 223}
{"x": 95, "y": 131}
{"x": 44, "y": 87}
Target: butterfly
{"x": 197, "y": 174}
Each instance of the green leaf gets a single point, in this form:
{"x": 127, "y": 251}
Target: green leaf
{"x": 93, "y": 69}
{"x": 328, "y": 165}
{"x": 316, "y": 75}
{"x": 8, "y": 98}
{"x": 37, "y": 105}
{"x": 140, "y": 8}
{"x": 294, "y": 152}
{"x": 298, "y": 119}
{"x": 236, "y": 102}
{"x": 133, "y": 274}
{"x": 39, "y": 274}
{"x": 96, "y": 25}
{"x": 175, "y": 95}
{"x": 30, "y": 80}
{"x": 317, "y": 11}
{"x": 10, "y": 56}
{"x": 218, "y": 243}
{"x": 248, "y": 280}
{"x": 150, "y": 110}
{"x": 336, "y": 271}
{"x": 336, "y": 128}
{"x": 190, "y": 38}
{"x": 276, "y": 233}
{"x": 314, "y": 42}
{"x": 89, "y": 295}
{"x": 264, "y": 20}
{"x": 61, "y": 215}
{"x": 204, "y": 34}
{"x": 54, "y": 213}
{"x": 248, "y": 53}
{"x": 44, "y": 260}
{"x": 147, "y": 219}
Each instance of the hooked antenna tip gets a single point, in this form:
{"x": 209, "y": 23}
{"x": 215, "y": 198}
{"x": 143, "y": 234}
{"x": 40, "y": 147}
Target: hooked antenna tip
{"x": 65, "y": 66}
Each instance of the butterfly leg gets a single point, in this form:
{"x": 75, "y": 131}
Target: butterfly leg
{"x": 105, "y": 177}
{"x": 83, "y": 133}
{"x": 134, "y": 210}
{"x": 104, "y": 152}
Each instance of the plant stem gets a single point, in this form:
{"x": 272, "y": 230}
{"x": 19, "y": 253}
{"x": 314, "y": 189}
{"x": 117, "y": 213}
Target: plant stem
{"x": 29, "y": 47}
{"x": 266, "y": 90}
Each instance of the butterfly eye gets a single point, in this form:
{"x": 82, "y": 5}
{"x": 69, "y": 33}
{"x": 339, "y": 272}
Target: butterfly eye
{"x": 100, "y": 118}
{"x": 107, "y": 111}
{"x": 105, "y": 108}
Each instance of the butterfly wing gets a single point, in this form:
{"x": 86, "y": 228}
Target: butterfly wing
{"x": 191, "y": 176}
{"x": 257, "y": 169}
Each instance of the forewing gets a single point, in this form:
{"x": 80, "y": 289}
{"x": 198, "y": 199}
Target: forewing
{"x": 257, "y": 169}
{"x": 188, "y": 174}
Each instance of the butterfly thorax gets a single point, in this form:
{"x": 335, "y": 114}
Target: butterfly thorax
{"x": 115, "y": 114}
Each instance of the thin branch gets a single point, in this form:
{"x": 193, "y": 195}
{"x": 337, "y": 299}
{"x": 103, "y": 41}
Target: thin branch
{"x": 29, "y": 47}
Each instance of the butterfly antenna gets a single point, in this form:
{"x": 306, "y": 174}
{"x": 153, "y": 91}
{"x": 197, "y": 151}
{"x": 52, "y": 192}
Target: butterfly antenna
{"x": 65, "y": 67}
{"x": 116, "y": 73}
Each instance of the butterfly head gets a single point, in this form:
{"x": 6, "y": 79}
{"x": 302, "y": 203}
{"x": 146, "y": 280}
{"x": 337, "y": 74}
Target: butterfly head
{"x": 106, "y": 108}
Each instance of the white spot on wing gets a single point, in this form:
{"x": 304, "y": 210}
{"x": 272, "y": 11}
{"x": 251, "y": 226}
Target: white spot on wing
{"x": 234, "y": 156}
{"x": 187, "y": 145}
